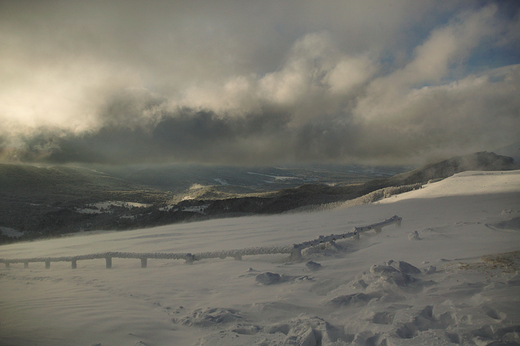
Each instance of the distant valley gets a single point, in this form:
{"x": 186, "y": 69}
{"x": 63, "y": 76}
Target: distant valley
{"x": 46, "y": 201}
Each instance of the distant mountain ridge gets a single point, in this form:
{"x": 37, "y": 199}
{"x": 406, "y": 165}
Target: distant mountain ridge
{"x": 46, "y": 201}
{"x": 481, "y": 161}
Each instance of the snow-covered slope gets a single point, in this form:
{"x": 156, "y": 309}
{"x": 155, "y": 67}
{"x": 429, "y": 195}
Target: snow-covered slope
{"x": 425, "y": 282}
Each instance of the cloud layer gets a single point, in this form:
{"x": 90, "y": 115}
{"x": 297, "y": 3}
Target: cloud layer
{"x": 257, "y": 83}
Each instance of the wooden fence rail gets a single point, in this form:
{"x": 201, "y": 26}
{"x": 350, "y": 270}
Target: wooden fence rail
{"x": 294, "y": 250}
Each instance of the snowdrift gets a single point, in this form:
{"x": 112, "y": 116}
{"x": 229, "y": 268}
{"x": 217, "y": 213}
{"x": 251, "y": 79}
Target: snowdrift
{"x": 447, "y": 276}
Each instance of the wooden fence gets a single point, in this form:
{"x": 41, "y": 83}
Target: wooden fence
{"x": 294, "y": 250}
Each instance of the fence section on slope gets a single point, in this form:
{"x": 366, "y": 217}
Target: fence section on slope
{"x": 295, "y": 250}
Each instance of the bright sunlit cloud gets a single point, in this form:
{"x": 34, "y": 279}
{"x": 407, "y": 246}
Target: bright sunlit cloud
{"x": 256, "y": 83}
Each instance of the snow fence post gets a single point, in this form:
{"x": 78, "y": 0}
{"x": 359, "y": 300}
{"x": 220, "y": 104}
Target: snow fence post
{"x": 74, "y": 264}
{"x": 108, "y": 259}
{"x": 398, "y": 223}
{"x": 356, "y": 233}
{"x": 144, "y": 262}
{"x": 296, "y": 253}
{"x": 47, "y": 264}
{"x": 189, "y": 258}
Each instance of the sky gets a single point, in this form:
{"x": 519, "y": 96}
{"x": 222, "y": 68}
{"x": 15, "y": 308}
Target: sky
{"x": 257, "y": 82}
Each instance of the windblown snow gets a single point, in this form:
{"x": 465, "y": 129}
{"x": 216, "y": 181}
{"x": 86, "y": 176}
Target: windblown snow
{"x": 448, "y": 275}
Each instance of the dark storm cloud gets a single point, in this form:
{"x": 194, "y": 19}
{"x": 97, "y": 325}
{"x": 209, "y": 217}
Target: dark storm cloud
{"x": 185, "y": 136}
{"x": 256, "y": 82}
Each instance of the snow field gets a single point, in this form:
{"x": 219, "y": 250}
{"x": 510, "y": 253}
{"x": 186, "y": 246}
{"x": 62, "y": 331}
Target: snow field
{"x": 294, "y": 250}
{"x": 386, "y": 288}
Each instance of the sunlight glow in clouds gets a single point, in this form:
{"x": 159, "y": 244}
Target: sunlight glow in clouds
{"x": 256, "y": 83}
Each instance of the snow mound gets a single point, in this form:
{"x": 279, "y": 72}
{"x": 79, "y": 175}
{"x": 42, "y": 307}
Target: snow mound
{"x": 210, "y": 317}
{"x": 511, "y": 224}
{"x": 391, "y": 278}
{"x": 389, "y": 313}
{"x": 269, "y": 278}
{"x": 304, "y": 330}
{"x": 313, "y": 266}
